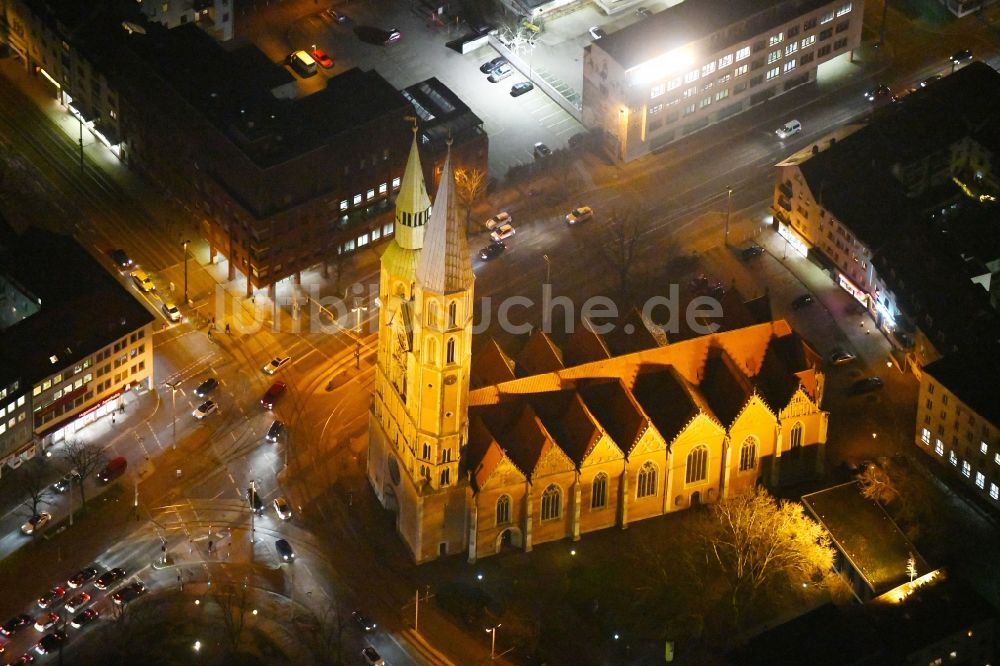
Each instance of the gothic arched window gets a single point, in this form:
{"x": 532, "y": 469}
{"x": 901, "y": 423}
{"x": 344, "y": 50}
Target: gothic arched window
{"x": 697, "y": 465}
{"x": 748, "y": 454}
{"x": 796, "y": 435}
{"x": 646, "y": 484}
{"x": 551, "y": 502}
{"x": 503, "y": 510}
{"x": 599, "y": 492}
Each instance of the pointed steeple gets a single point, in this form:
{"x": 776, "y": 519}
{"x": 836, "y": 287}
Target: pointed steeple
{"x": 412, "y": 204}
{"x": 444, "y": 265}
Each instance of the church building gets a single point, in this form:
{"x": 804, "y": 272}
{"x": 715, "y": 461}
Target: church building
{"x": 478, "y": 454}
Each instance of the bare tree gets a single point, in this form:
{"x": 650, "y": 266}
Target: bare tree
{"x": 84, "y": 458}
{"x": 233, "y": 600}
{"x": 620, "y": 248}
{"x": 877, "y": 485}
{"x": 329, "y": 636}
{"x": 470, "y": 185}
{"x": 31, "y": 479}
{"x": 759, "y": 546}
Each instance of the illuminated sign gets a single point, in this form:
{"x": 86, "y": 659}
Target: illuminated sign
{"x": 794, "y": 241}
{"x": 848, "y": 286}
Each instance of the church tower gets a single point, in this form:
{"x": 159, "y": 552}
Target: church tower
{"x": 419, "y": 419}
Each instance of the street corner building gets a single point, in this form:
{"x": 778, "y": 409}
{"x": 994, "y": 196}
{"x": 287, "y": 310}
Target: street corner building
{"x": 702, "y": 61}
{"x": 475, "y": 454}
{"x": 73, "y": 340}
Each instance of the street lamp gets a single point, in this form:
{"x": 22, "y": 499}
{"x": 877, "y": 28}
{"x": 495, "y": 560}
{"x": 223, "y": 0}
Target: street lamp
{"x": 173, "y": 406}
{"x": 358, "y": 309}
{"x": 185, "y": 244}
{"x": 548, "y": 268}
{"x": 729, "y": 211}
{"x": 493, "y": 641}
{"x": 253, "y": 513}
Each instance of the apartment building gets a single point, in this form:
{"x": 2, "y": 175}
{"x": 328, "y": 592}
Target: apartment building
{"x": 702, "y": 61}
{"x": 958, "y": 419}
{"x": 895, "y": 209}
{"x": 216, "y": 17}
{"x": 73, "y": 340}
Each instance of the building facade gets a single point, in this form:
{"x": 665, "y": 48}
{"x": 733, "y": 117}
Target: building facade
{"x": 702, "y": 61}
{"x": 68, "y": 359}
{"x": 478, "y": 454}
{"x": 216, "y": 17}
{"x": 958, "y": 420}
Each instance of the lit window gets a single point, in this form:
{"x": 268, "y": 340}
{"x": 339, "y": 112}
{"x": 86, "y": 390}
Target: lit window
{"x": 387, "y": 228}
{"x": 689, "y": 109}
{"x": 673, "y": 84}
{"x": 357, "y": 199}
{"x": 996, "y": 458}
{"x": 953, "y": 458}
{"x": 722, "y": 94}
{"x": 771, "y": 73}
{"x": 704, "y": 102}
{"x": 741, "y": 70}
{"x": 791, "y": 48}
{"x": 371, "y": 194}
{"x": 773, "y": 56}
{"x": 994, "y": 491}
{"x": 788, "y": 66}
{"x": 726, "y": 61}
{"x": 723, "y": 79}
{"x": 776, "y": 39}
{"x": 966, "y": 469}
{"x": 826, "y": 18}
{"x": 844, "y": 9}
{"x": 690, "y": 91}
{"x": 743, "y": 53}
{"x": 980, "y": 480}
{"x": 383, "y": 188}
{"x": 653, "y": 110}
{"x": 983, "y": 448}
{"x": 708, "y": 69}
{"x": 925, "y": 436}
{"x": 939, "y": 447}
{"x": 809, "y": 41}
{"x": 363, "y": 240}
{"x": 656, "y": 91}
{"x": 691, "y": 76}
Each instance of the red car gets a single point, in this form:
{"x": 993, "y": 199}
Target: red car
{"x": 276, "y": 391}
{"x": 322, "y": 58}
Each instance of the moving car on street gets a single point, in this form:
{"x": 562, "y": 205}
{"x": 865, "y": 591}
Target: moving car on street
{"x": 866, "y": 385}
{"x": 46, "y": 621}
{"x": 52, "y": 597}
{"x": 752, "y": 251}
{"x": 15, "y": 624}
{"x": 129, "y": 593}
{"x": 171, "y": 310}
{"x": 50, "y": 642}
{"x": 788, "y": 129}
{"x": 578, "y": 215}
{"x": 841, "y": 357}
{"x": 275, "y": 364}
{"x": 109, "y": 578}
{"x": 204, "y": 409}
{"x": 275, "y": 432}
{"x": 372, "y": 657}
{"x": 285, "y": 551}
{"x": 541, "y": 150}
{"x": 282, "y": 508}
{"x": 271, "y": 396}
{"x": 802, "y": 301}
{"x": 84, "y": 618}
{"x": 82, "y": 577}
{"x": 77, "y": 602}
{"x": 498, "y": 219}
{"x": 121, "y": 258}
{"x": 143, "y": 281}
{"x": 502, "y": 232}
{"x": 362, "y": 621}
{"x": 494, "y": 249}
{"x": 36, "y": 523}
{"x": 206, "y": 387}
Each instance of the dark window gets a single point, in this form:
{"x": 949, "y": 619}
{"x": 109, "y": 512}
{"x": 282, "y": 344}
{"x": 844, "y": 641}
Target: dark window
{"x": 841, "y": 27}
{"x": 825, "y": 34}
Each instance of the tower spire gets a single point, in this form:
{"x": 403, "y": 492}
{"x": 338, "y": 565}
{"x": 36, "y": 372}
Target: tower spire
{"x": 444, "y": 265}
{"x": 413, "y": 207}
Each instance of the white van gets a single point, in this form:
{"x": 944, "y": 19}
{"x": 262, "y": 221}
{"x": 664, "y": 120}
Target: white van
{"x": 788, "y": 129}
{"x": 302, "y": 63}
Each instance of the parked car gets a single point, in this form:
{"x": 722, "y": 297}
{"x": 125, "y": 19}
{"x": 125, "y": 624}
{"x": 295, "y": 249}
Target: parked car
{"x": 929, "y": 80}
{"x": 51, "y": 597}
{"x": 172, "y": 311}
{"x": 282, "y": 508}
{"x": 392, "y": 35}
{"x": 488, "y": 66}
{"x": 597, "y": 32}
{"x": 65, "y": 483}
{"x": 285, "y": 551}
{"x": 578, "y": 215}
{"x": 143, "y": 281}
{"x": 50, "y": 642}
{"x": 320, "y": 56}
{"x": 802, "y": 301}
{"x": 46, "y": 621}
{"x": 115, "y": 468}
{"x": 271, "y": 396}
{"x": 881, "y": 95}
{"x": 788, "y": 129}
{"x": 82, "y": 577}
{"x": 494, "y": 249}
{"x": 841, "y": 357}
{"x": 84, "y": 618}
{"x": 752, "y": 251}
{"x": 204, "y": 409}
{"x": 541, "y": 150}
{"x": 372, "y": 657}
{"x": 275, "y": 432}
{"x": 499, "y": 218}
{"x": 36, "y": 522}
{"x": 963, "y": 55}
{"x": 25, "y": 658}
{"x": 121, "y": 258}
{"x": 521, "y": 87}
{"x": 502, "y": 232}
{"x": 500, "y": 73}
{"x": 15, "y": 624}
{"x": 866, "y": 385}
{"x": 275, "y": 364}
{"x": 109, "y": 578}
{"x": 206, "y": 387}
{"x": 362, "y": 621}
{"x": 77, "y": 602}
{"x": 129, "y": 593}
